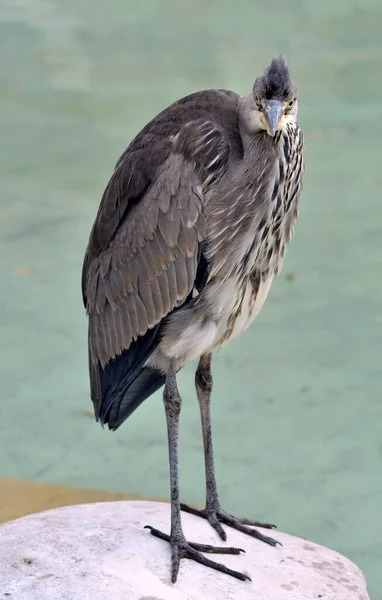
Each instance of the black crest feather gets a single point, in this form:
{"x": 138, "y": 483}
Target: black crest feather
{"x": 276, "y": 83}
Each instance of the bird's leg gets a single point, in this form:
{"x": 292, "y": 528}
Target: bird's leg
{"x": 179, "y": 546}
{"x": 213, "y": 511}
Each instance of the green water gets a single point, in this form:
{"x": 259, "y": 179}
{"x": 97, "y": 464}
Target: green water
{"x": 297, "y": 399}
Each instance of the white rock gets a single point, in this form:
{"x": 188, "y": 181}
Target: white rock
{"x": 101, "y": 551}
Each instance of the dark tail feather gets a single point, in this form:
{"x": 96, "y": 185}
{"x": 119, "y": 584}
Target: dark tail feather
{"x": 146, "y": 383}
{"x": 119, "y": 388}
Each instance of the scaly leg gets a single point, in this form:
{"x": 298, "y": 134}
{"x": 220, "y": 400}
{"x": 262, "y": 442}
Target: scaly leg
{"x": 179, "y": 546}
{"x": 213, "y": 511}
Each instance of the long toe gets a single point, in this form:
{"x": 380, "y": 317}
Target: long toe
{"x": 216, "y": 549}
{"x": 182, "y": 549}
{"x": 198, "y": 512}
{"x": 215, "y": 523}
{"x": 217, "y": 516}
{"x": 238, "y": 525}
{"x": 189, "y": 552}
{"x": 211, "y": 516}
{"x": 257, "y": 524}
{"x": 175, "y": 563}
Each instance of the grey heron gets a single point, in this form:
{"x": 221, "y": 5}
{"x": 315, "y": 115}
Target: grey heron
{"x": 190, "y": 232}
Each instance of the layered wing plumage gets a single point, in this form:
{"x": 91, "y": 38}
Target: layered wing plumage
{"x": 145, "y": 245}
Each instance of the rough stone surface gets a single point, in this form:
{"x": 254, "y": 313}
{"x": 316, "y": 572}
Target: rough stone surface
{"x": 101, "y": 551}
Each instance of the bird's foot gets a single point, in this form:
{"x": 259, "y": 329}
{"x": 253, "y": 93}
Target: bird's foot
{"x": 216, "y": 516}
{"x": 183, "y": 549}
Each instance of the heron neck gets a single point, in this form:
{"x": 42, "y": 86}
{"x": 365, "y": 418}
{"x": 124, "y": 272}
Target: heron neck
{"x": 247, "y": 124}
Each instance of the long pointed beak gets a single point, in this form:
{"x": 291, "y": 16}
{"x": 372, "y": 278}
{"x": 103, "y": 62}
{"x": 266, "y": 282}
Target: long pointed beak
{"x": 273, "y": 111}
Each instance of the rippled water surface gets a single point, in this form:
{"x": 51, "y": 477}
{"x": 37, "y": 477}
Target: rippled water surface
{"x": 297, "y": 399}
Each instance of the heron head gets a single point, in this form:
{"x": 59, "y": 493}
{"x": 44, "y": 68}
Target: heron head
{"x": 274, "y": 98}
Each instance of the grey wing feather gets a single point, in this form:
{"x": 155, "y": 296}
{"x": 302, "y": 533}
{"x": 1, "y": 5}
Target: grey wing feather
{"x": 142, "y": 256}
{"x": 123, "y": 284}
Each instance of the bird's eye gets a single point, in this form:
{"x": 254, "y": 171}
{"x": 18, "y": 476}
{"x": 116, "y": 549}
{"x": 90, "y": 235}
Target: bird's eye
{"x": 290, "y": 103}
{"x": 258, "y": 100}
